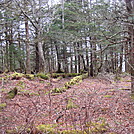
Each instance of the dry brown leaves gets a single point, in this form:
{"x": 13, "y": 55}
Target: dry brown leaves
{"x": 94, "y": 99}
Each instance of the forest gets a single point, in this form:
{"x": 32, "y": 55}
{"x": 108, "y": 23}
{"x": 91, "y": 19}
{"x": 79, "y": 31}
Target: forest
{"x": 66, "y": 66}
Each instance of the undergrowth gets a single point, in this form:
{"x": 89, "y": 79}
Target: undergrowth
{"x": 67, "y": 85}
{"x": 88, "y": 128}
{"x": 64, "y": 75}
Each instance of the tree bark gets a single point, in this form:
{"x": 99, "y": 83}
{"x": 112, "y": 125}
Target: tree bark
{"x": 91, "y": 72}
{"x": 41, "y": 58}
{"x": 79, "y": 59}
{"x": 130, "y": 10}
{"x": 75, "y": 57}
{"x": 58, "y": 60}
{"x": 28, "y": 66}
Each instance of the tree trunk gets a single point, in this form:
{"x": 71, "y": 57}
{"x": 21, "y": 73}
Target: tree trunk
{"x": 75, "y": 62}
{"x": 112, "y": 60}
{"x": 87, "y": 56}
{"x": 127, "y": 57}
{"x": 132, "y": 58}
{"x": 11, "y": 49}
{"x": 121, "y": 59}
{"x": 101, "y": 60}
{"x": 58, "y": 60}
{"x": 41, "y": 57}
{"x": 130, "y": 10}
{"x": 28, "y": 66}
{"x": 37, "y": 58}
{"x": 63, "y": 14}
{"x": 7, "y": 49}
{"x": 91, "y": 61}
{"x": 79, "y": 61}
{"x": 65, "y": 62}
{"x": 71, "y": 60}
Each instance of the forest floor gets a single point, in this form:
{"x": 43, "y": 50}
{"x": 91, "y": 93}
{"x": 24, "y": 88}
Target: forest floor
{"x": 94, "y": 105}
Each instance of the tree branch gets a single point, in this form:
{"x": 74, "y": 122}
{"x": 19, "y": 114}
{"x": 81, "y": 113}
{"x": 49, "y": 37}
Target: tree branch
{"x": 24, "y": 13}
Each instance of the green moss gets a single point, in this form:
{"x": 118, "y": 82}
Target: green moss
{"x": 84, "y": 76}
{"x": 6, "y": 71}
{"x": 113, "y": 82}
{"x": 18, "y": 130}
{"x": 43, "y": 76}
{"x": 58, "y": 90}
{"x": 17, "y": 75}
{"x": 42, "y": 81}
{"x": 107, "y": 96}
{"x": 21, "y": 84}
{"x": 49, "y": 129}
{"x": 24, "y": 91}
{"x": 127, "y": 85}
{"x": 104, "y": 109}
{"x": 28, "y": 92}
{"x": 2, "y": 106}
{"x": 12, "y": 93}
{"x": 56, "y": 75}
{"x": 34, "y": 94}
{"x": 124, "y": 89}
{"x": 75, "y": 80}
{"x": 60, "y": 77}
{"x": 112, "y": 90}
{"x": 72, "y": 132}
{"x": 54, "y": 94}
{"x": 73, "y": 74}
{"x": 132, "y": 96}
{"x": 11, "y": 131}
{"x": 89, "y": 128}
{"x": 128, "y": 80}
{"x": 117, "y": 78}
{"x": 67, "y": 85}
{"x": 29, "y": 76}
{"x": 63, "y": 75}
{"x": 96, "y": 127}
{"x": 48, "y": 92}
{"x": 71, "y": 104}
{"x": 2, "y": 90}
{"x": 112, "y": 133}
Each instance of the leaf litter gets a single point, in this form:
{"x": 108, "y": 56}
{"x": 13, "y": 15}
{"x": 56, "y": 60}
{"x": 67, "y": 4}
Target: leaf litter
{"x": 92, "y": 100}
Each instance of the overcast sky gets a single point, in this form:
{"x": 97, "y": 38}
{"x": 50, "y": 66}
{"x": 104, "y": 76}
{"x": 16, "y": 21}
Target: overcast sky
{"x": 52, "y": 2}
